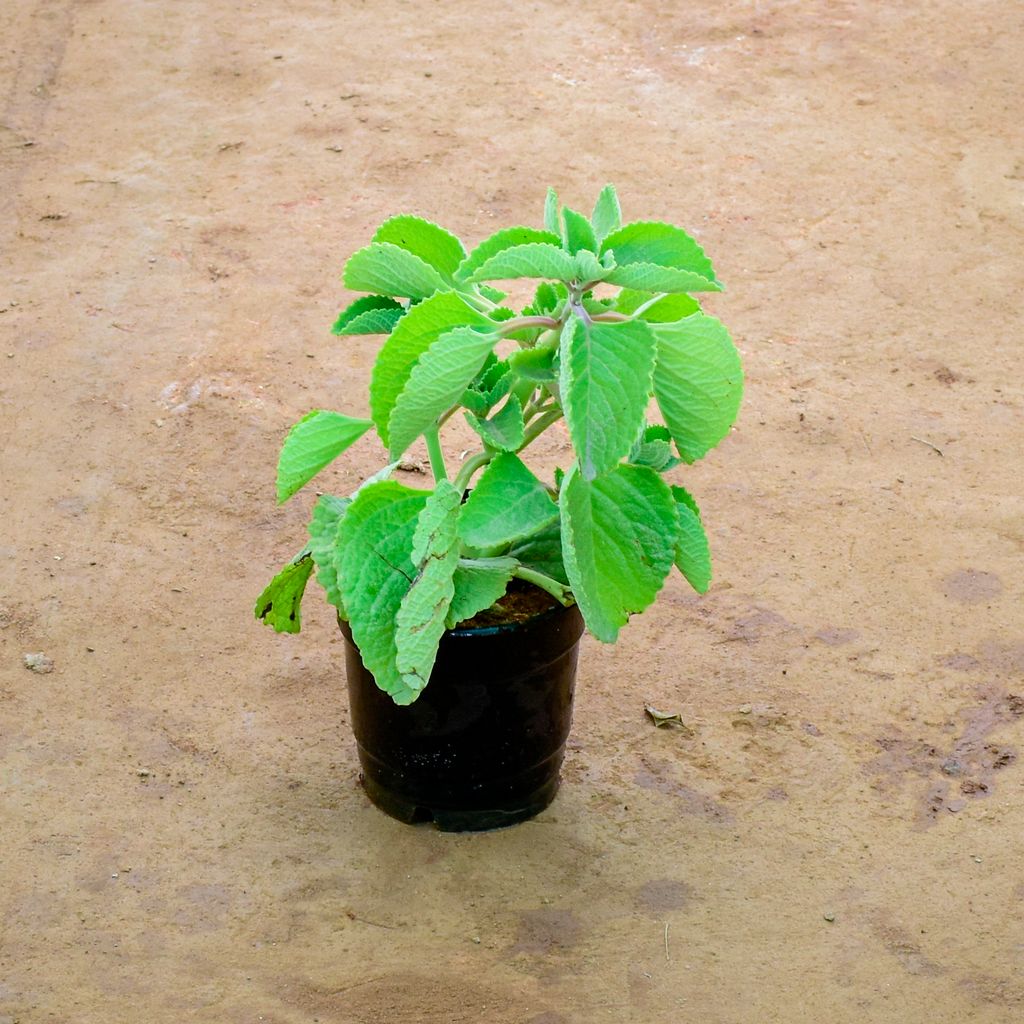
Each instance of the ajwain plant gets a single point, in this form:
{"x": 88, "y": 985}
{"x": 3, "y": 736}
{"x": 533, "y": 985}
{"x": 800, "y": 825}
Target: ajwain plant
{"x": 403, "y": 564}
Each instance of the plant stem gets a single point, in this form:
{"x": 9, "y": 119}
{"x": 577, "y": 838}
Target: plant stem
{"x": 523, "y": 323}
{"x": 470, "y": 466}
{"x": 557, "y": 590}
{"x": 539, "y": 425}
{"x": 535, "y": 408}
{"x": 609, "y": 317}
{"x": 437, "y": 466}
{"x": 479, "y": 302}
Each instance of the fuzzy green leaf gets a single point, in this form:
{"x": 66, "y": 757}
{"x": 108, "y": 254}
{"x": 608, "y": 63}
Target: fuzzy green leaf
{"x": 421, "y": 617}
{"x": 375, "y": 570}
{"x": 650, "y": 277}
{"x": 535, "y": 259}
{"x": 618, "y": 542}
{"x": 499, "y": 242}
{"x": 506, "y": 504}
{"x": 479, "y": 582}
{"x": 504, "y": 430}
{"x": 543, "y": 551}
{"x": 413, "y": 335}
{"x": 605, "y": 384}
{"x": 373, "y": 321}
{"x": 440, "y": 248}
{"x": 490, "y": 293}
{"x": 280, "y": 603}
{"x": 551, "y": 211}
{"x": 545, "y": 299}
{"x": 591, "y": 269}
{"x": 437, "y": 382}
{"x": 607, "y": 215}
{"x": 323, "y": 534}
{"x": 665, "y": 310}
{"x": 663, "y": 245}
{"x": 536, "y": 364}
{"x": 388, "y": 269}
{"x": 577, "y": 232}
{"x": 316, "y": 440}
{"x": 693, "y": 555}
{"x": 654, "y": 448}
{"x": 698, "y": 382}
{"x": 369, "y": 314}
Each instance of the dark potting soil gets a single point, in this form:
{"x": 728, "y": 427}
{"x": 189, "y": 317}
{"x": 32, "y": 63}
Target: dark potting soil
{"x": 522, "y": 601}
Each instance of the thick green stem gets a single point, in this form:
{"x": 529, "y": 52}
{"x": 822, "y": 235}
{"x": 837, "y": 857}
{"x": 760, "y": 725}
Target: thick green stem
{"x": 470, "y": 466}
{"x": 479, "y": 302}
{"x": 437, "y": 466}
{"x": 523, "y": 323}
{"x": 539, "y": 425}
{"x": 558, "y": 591}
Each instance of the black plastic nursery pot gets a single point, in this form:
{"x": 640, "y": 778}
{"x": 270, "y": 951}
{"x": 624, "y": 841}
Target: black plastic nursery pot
{"x": 483, "y": 744}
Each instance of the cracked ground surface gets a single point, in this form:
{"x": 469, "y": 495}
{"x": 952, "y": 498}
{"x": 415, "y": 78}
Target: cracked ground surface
{"x": 836, "y": 835}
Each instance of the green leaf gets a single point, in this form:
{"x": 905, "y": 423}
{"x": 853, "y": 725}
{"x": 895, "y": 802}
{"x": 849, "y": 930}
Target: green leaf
{"x": 653, "y": 448}
{"x": 693, "y": 556}
{"x": 605, "y": 384}
{"x": 551, "y": 211}
{"x": 440, "y": 248}
{"x": 504, "y": 430}
{"x": 506, "y": 504}
{"x": 545, "y": 300}
{"x": 280, "y": 603}
{"x": 323, "y": 534}
{"x": 543, "y": 551}
{"x": 507, "y": 238}
{"x": 535, "y": 259}
{"x": 665, "y": 310}
{"x": 618, "y": 542}
{"x": 388, "y": 269}
{"x": 479, "y": 582}
{"x": 664, "y": 245}
{"x": 591, "y": 269}
{"x": 437, "y": 382}
{"x": 490, "y": 293}
{"x": 650, "y": 277}
{"x": 536, "y": 364}
{"x": 376, "y": 569}
{"x": 369, "y": 314}
{"x": 421, "y": 617}
{"x": 413, "y": 335}
{"x": 607, "y": 215}
{"x": 317, "y": 439}
{"x": 577, "y": 232}
{"x": 698, "y": 382}
{"x": 495, "y": 370}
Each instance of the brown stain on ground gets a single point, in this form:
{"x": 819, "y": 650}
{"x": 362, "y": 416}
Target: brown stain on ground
{"x": 173, "y": 228}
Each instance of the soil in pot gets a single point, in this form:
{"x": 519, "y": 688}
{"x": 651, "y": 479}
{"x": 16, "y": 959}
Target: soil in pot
{"x": 483, "y": 745}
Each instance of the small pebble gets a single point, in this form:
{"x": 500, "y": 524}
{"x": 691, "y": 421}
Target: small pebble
{"x": 830, "y": 917}
{"x": 143, "y": 773}
{"x": 38, "y": 663}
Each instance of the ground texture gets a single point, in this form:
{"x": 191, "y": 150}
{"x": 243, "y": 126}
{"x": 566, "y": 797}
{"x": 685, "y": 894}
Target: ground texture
{"x": 836, "y": 835}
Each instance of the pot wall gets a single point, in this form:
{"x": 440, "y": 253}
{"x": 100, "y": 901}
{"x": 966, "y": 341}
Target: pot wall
{"x": 483, "y": 744}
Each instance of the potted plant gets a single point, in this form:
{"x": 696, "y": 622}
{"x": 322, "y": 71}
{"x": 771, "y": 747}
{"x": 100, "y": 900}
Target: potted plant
{"x": 462, "y": 605}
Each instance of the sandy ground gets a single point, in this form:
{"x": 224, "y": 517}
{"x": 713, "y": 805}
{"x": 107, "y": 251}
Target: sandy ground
{"x": 839, "y": 834}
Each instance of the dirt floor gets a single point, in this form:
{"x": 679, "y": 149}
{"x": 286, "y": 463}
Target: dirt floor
{"x": 837, "y": 835}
